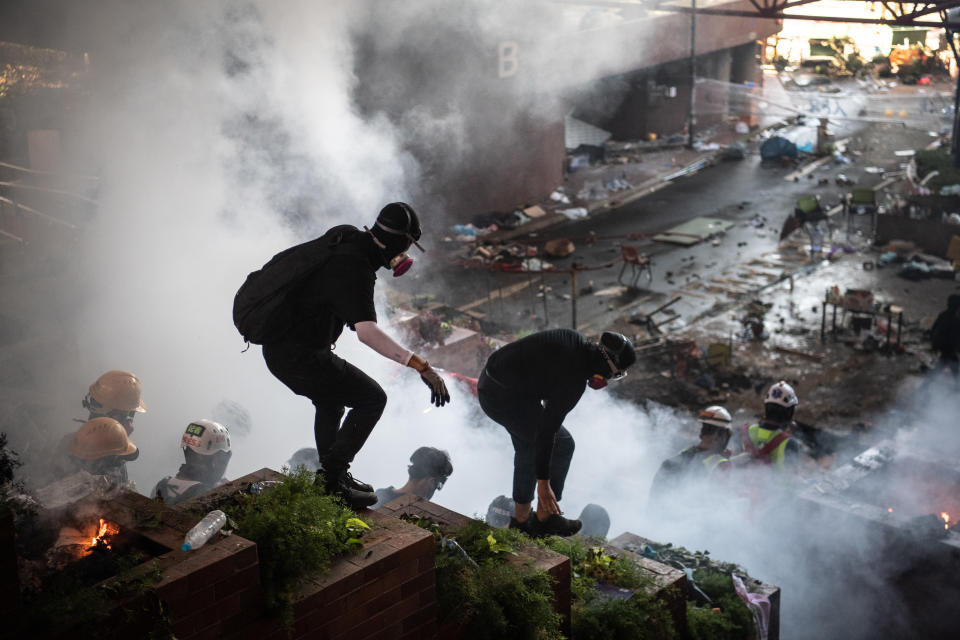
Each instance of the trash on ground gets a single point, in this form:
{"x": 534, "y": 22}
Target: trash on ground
{"x": 575, "y": 213}
{"x": 558, "y": 247}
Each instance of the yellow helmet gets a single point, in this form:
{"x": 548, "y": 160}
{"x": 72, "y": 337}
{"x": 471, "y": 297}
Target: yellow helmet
{"x": 101, "y": 437}
{"x": 118, "y": 390}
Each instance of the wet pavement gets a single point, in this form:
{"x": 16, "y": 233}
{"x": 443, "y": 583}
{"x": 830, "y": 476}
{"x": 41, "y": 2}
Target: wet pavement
{"x": 843, "y": 382}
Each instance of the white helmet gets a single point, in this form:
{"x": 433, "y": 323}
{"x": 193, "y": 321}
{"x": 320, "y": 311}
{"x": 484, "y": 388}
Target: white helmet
{"x": 716, "y": 415}
{"x": 206, "y": 437}
{"x": 781, "y": 394}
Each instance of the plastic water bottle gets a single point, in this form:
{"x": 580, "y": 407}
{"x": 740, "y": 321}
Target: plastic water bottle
{"x": 204, "y": 530}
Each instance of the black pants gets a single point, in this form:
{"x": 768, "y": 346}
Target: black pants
{"x": 332, "y": 384}
{"x": 520, "y": 416}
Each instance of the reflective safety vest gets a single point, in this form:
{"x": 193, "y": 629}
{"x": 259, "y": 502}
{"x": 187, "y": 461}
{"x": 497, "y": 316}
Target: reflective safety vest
{"x": 710, "y": 462}
{"x": 767, "y": 446}
{"x": 713, "y": 461}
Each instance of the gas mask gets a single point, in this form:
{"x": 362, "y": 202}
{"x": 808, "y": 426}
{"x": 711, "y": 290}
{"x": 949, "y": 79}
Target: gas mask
{"x": 598, "y": 381}
{"x": 401, "y": 262}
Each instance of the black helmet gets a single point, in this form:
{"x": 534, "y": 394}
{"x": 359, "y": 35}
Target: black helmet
{"x": 396, "y": 228}
{"x": 428, "y": 462}
{"x": 619, "y": 348}
{"x": 399, "y": 219}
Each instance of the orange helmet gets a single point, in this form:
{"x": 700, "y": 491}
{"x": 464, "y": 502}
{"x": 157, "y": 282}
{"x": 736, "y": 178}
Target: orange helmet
{"x": 101, "y": 437}
{"x": 118, "y": 390}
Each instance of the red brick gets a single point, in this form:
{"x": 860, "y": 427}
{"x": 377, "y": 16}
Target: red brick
{"x": 428, "y": 595}
{"x": 188, "y": 625}
{"x": 245, "y": 556}
{"x": 246, "y": 618}
{"x": 370, "y": 590}
{"x": 418, "y": 616}
{"x": 402, "y": 609}
{"x": 187, "y": 605}
{"x": 388, "y": 633}
{"x": 174, "y": 588}
{"x": 399, "y": 575}
{"x": 343, "y": 577}
{"x": 334, "y": 609}
{"x": 380, "y": 603}
{"x": 424, "y": 631}
{"x": 370, "y": 625}
{"x": 306, "y": 625}
{"x": 426, "y": 563}
{"x": 418, "y": 584}
{"x": 371, "y": 556}
{"x": 408, "y": 548}
{"x": 212, "y": 632}
{"x": 210, "y": 567}
{"x": 238, "y": 581}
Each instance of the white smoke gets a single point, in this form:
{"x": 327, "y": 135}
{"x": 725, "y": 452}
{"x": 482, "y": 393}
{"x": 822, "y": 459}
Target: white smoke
{"x": 227, "y": 132}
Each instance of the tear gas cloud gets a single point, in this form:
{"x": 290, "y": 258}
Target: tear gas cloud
{"x": 228, "y": 132}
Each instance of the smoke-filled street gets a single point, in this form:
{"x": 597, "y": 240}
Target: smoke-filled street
{"x": 557, "y": 268}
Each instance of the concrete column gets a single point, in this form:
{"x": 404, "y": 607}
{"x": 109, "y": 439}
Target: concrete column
{"x": 744, "y": 67}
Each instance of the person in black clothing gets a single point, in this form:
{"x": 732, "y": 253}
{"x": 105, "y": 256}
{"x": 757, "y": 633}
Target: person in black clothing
{"x": 428, "y": 471}
{"x": 528, "y": 387}
{"x": 945, "y": 335}
{"x": 339, "y": 293}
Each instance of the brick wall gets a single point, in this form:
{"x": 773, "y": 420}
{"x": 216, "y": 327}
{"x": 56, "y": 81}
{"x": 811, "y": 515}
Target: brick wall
{"x": 204, "y": 591}
{"x": 675, "y": 599}
{"x": 555, "y": 564}
{"x": 387, "y": 590}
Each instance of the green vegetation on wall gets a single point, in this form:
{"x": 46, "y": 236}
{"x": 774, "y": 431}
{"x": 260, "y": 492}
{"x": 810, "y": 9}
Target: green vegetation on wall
{"x": 487, "y": 588}
{"x": 298, "y": 530}
{"x": 595, "y": 616}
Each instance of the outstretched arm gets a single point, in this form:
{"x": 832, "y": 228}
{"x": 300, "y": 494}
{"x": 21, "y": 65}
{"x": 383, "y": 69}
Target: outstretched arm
{"x": 372, "y": 336}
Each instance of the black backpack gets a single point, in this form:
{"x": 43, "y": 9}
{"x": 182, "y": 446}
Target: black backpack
{"x": 260, "y": 310}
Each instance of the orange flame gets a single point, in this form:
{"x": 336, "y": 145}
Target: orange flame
{"x": 946, "y": 519}
{"x": 107, "y": 529}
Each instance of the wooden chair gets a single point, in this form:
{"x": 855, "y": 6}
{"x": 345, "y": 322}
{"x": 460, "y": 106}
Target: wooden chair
{"x": 638, "y": 263}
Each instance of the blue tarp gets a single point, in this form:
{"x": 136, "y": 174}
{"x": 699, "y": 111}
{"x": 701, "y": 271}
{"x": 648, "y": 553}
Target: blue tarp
{"x": 777, "y": 147}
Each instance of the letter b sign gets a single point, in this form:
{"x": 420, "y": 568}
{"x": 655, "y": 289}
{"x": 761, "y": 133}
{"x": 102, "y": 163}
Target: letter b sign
{"x": 506, "y": 59}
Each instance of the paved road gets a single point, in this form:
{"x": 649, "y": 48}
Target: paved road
{"x": 745, "y": 193}
{"x": 735, "y": 191}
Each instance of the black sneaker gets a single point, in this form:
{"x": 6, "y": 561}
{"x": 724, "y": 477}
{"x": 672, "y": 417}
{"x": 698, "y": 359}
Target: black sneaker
{"x": 554, "y": 525}
{"x": 355, "y": 484}
{"x": 343, "y": 487}
{"x": 522, "y": 526}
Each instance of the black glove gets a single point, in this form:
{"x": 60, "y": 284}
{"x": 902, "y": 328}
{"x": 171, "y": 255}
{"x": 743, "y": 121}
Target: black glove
{"x": 439, "y": 395}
